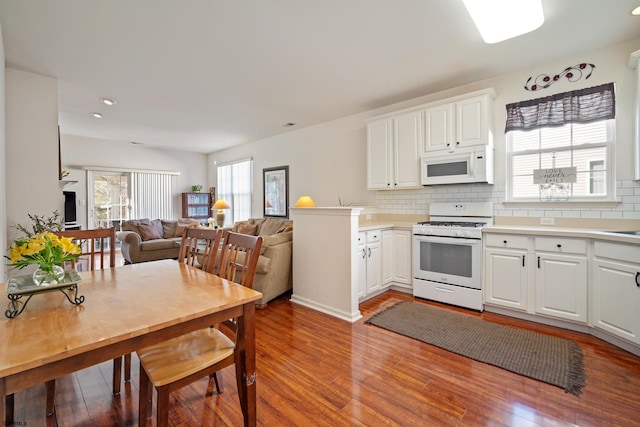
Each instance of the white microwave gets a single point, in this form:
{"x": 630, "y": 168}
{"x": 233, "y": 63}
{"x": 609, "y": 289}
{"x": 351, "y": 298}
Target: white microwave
{"x": 462, "y": 165}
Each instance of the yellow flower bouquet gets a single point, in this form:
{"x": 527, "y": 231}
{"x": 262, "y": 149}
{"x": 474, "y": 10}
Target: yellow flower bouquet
{"x": 46, "y": 250}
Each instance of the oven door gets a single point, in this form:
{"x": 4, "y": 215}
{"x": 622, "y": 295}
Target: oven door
{"x": 451, "y": 260}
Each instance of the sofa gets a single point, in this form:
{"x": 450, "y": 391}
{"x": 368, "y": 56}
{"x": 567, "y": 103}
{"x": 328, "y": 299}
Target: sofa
{"x": 273, "y": 273}
{"x": 149, "y": 240}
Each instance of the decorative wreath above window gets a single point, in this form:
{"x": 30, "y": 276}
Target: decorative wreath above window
{"x": 573, "y": 74}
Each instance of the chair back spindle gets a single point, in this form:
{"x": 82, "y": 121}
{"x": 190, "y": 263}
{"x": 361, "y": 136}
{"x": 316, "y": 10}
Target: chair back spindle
{"x": 239, "y": 258}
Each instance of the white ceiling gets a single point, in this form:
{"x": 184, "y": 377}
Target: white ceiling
{"x": 202, "y": 75}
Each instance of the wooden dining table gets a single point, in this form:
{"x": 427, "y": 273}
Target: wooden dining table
{"x": 125, "y": 308}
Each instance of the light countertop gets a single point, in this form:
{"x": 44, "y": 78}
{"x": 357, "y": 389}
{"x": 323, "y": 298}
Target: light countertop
{"x": 564, "y": 232}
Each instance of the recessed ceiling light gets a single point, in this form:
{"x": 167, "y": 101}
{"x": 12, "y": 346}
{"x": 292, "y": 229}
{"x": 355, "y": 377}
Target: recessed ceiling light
{"x": 288, "y": 125}
{"x": 499, "y": 20}
{"x": 636, "y": 11}
{"x": 97, "y": 115}
{"x": 109, "y": 102}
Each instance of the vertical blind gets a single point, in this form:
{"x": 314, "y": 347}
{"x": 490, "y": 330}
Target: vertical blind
{"x": 151, "y": 195}
{"x": 578, "y": 106}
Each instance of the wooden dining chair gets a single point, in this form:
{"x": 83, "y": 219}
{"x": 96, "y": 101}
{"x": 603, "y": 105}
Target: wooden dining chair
{"x": 175, "y": 363}
{"x": 199, "y": 247}
{"x": 98, "y": 252}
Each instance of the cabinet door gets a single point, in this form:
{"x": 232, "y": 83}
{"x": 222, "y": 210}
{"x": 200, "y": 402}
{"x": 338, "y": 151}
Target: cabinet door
{"x": 616, "y": 298}
{"x": 471, "y": 122}
{"x": 388, "y": 254}
{"x": 506, "y": 278}
{"x": 407, "y": 139}
{"x": 374, "y": 267}
{"x": 379, "y": 154}
{"x": 561, "y": 286}
{"x": 402, "y": 256}
{"x": 439, "y": 128}
{"x": 361, "y": 257}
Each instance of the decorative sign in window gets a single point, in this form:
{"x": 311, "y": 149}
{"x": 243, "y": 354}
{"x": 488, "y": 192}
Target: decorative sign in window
{"x": 555, "y": 183}
{"x": 555, "y": 176}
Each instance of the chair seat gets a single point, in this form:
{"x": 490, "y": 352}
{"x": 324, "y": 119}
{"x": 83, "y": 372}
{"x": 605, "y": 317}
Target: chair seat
{"x": 185, "y": 355}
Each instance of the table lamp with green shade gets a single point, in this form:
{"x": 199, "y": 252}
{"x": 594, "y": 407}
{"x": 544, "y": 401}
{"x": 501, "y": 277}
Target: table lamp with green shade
{"x": 220, "y": 205}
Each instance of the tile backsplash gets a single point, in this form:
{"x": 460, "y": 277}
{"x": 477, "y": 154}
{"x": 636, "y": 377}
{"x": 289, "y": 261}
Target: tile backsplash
{"x": 416, "y": 202}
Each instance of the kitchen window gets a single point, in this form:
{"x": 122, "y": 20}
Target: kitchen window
{"x": 568, "y": 130}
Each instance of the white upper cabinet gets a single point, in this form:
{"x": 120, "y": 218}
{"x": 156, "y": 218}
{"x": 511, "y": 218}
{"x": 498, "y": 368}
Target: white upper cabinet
{"x": 393, "y": 151}
{"x": 439, "y": 127}
{"x": 464, "y": 122}
{"x": 396, "y": 141}
{"x": 379, "y": 154}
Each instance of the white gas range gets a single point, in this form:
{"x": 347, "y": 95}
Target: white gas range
{"x": 447, "y": 253}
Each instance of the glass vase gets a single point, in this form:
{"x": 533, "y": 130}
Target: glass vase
{"x": 45, "y": 278}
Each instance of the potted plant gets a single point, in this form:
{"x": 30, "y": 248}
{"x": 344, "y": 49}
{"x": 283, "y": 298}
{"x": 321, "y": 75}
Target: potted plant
{"x": 196, "y": 188}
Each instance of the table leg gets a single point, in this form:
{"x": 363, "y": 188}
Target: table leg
{"x": 246, "y": 363}
{"x": 6, "y": 405}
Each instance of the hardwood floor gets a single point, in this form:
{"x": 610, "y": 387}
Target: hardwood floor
{"x": 316, "y": 370}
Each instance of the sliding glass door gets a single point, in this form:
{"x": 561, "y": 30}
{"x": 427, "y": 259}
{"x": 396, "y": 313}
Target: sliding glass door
{"x": 108, "y": 199}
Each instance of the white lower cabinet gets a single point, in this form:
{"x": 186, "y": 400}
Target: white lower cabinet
{"x": 384, "y": 259}
{"x": 538, "y": 275}
{"x": 586, "y": 284}
{"x": 396, "y": 258}
{"x": 616, "y": 290}
{"x": 361, "y": 256}
{"x": 561, "y": 278}
{"x": 505, "y": 271}
{"x": 369, "y": 255}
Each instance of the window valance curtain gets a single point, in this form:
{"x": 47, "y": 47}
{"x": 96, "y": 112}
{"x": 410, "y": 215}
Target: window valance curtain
{"x": 577, "y": 106}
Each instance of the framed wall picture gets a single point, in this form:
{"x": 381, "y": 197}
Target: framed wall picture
{"x": 276, "y": 191}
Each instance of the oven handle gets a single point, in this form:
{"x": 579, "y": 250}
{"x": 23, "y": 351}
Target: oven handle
{"x": 440, "y": 239}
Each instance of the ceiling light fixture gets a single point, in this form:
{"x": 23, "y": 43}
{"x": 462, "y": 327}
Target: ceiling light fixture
{"x": 109, "y": 102}
{"x": 499, "y": 20}
{"x": 636, "y": 11}
{"x": 97, "y": 115}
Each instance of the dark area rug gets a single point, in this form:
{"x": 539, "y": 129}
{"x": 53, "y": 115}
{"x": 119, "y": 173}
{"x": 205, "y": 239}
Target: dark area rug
{"x": 542, "y": 357}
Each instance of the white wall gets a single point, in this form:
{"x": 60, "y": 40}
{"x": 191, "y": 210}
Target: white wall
{"x": 81, "y": 151}
{"x": 31, "y": 147}
{"x": 328, "y": 160}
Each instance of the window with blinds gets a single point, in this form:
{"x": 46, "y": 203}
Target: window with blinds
{"x": 235, "y": 185}
{"x": 580, "y": 135}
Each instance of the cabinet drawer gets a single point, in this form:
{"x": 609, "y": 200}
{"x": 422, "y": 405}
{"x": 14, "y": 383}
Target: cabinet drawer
{"x": 362, "y": 236}
{"x": 617, "y": 251}
{"x": 373, "y": 236}
{"x": 507, "y": 241}
{"x": 561, "y": 245}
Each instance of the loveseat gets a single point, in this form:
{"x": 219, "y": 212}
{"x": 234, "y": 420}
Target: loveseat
{"x": 146, "y": 240}
{"x": 273, "y": 273}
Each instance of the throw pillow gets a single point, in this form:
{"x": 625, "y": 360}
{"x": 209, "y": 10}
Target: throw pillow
{"x": 285, "y": 228}
{"x": 158, "y": 224}
{"x": 250, "y": 229}
{"x": 180, "y": 228}
{"x": 168, "y": 228}
{"x": 149, "y": 232}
